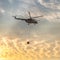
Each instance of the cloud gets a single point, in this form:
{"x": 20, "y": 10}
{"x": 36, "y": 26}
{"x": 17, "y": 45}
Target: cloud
{"x": 16, "y": 47}
{"x": 53, "y": 4}
{"x": 2, "y": 10}
{"x": 53, "y": 16}
{"x": 10, "y": 1}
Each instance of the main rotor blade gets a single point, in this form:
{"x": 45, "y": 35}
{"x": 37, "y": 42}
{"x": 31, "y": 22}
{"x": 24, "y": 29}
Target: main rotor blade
{"x": 38, "y": 16}
{"x": 29, "y": 14}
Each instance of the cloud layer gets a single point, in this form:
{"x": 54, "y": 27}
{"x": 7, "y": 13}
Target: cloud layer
{"x": 53, "y": 4}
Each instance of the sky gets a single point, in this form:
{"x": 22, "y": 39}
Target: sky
{"x": 48, "y": 27}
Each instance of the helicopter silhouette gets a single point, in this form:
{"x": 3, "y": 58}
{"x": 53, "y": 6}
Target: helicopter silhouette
{"x": 29, "y": 20}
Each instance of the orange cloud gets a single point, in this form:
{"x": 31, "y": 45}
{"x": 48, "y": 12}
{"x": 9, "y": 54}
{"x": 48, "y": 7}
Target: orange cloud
{"x": 19, "y": 49}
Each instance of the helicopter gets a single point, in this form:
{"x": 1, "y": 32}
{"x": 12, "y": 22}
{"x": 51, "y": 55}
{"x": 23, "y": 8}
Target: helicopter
{"x": 29, "y": 20}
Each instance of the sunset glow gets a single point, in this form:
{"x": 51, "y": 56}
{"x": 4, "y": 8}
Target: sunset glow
{"x": 29, "y": 29}
{"x": 19, "y": 50}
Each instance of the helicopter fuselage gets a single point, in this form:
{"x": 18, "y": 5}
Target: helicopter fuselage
{"x": 31, "y": 21}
